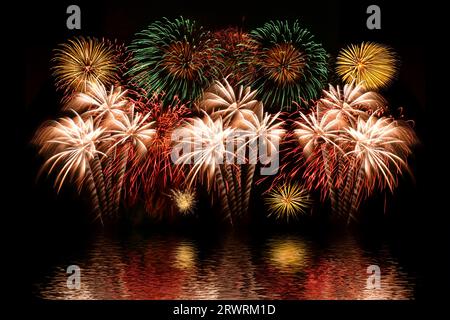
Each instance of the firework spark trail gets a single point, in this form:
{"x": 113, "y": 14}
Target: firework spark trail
{"x": 222, "y": 193}
{"x": 248, "y": 185}
{"x": 99, "y": 179}
{"x": 231, "y": 188}
{"x": 266, "y": 131}
{"x": 92, "y": 191}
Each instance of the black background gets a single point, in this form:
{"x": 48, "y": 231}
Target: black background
{"x": 57, "y": 221}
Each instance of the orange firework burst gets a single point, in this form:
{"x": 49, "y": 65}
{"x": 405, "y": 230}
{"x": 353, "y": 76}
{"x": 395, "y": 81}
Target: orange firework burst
{"x": 81, "y": 61}
{"x": 372, "y": 64}
{"x": 284, "y": 64}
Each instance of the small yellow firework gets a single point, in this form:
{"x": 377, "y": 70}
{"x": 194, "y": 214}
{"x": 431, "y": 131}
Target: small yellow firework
{"x": 184, "y": 200}
{"x": 288, "y": 200}
{"x": 371, "y": 63}
{"x": 81, "y": 61}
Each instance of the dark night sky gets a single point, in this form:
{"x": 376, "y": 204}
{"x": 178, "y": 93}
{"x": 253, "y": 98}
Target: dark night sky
{"x": 334, "y": 23}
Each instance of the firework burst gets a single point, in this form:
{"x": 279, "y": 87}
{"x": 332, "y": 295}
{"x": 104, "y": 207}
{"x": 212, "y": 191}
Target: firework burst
{"x": 100, "y": 103}
{"x": 70, "y": 146}
{"x": 377, "y": 153}
{"x": 185, "y": 200}
{"x": 221, "y": 100}
{"x": 289, "y": 66}
{"x": 287, "y": 201}
{"x": 234, "y": 45}
{"x": 351, "y": 102}
{"x": 176, "y": 57}
{"x": 372, "y": 64}
{"x": 81, "y": 61}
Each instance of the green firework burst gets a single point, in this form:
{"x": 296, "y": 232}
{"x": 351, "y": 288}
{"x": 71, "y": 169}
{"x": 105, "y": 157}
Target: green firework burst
{"x": 288, "y": 65}
{"x": 177, "y": 58}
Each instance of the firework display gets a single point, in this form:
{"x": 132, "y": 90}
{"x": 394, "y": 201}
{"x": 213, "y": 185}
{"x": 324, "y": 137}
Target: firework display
{"x": 184, "y": 111}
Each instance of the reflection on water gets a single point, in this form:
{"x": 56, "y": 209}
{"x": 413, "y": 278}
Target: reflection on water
{"x": 282, "y": 266}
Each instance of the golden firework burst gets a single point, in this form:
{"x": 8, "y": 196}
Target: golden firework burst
{"x": 288, "y": 200}
{"x": 372, "y": 64}
{"x": 82, "y": 61}
{"x": 185, "y": 200}
{"x": 284, "y": 63}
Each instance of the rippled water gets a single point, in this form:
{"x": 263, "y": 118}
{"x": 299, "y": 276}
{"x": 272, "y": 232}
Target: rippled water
{"x": 277, "y": 266}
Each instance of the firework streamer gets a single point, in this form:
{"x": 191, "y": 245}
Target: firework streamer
{"x": 99, "y": 179}
{"x": 287, "y": 65}
{"x": 92, "y": 191}
{"x": 223, "y": 194}
{"x": 231, "y": 187}
{"x": 330, "y": 177}
{"x": 266, "y": 132}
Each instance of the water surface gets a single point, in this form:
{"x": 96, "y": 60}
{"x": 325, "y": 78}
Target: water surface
{"x": 273, "y": 266}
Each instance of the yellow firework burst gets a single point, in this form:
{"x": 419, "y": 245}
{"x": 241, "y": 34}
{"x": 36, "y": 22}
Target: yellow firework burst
{"x": 185, "y": 200}
{"x": 371, "y": 63}
{"x": 81, "y": 61}
{"x": 288, "y": 200}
